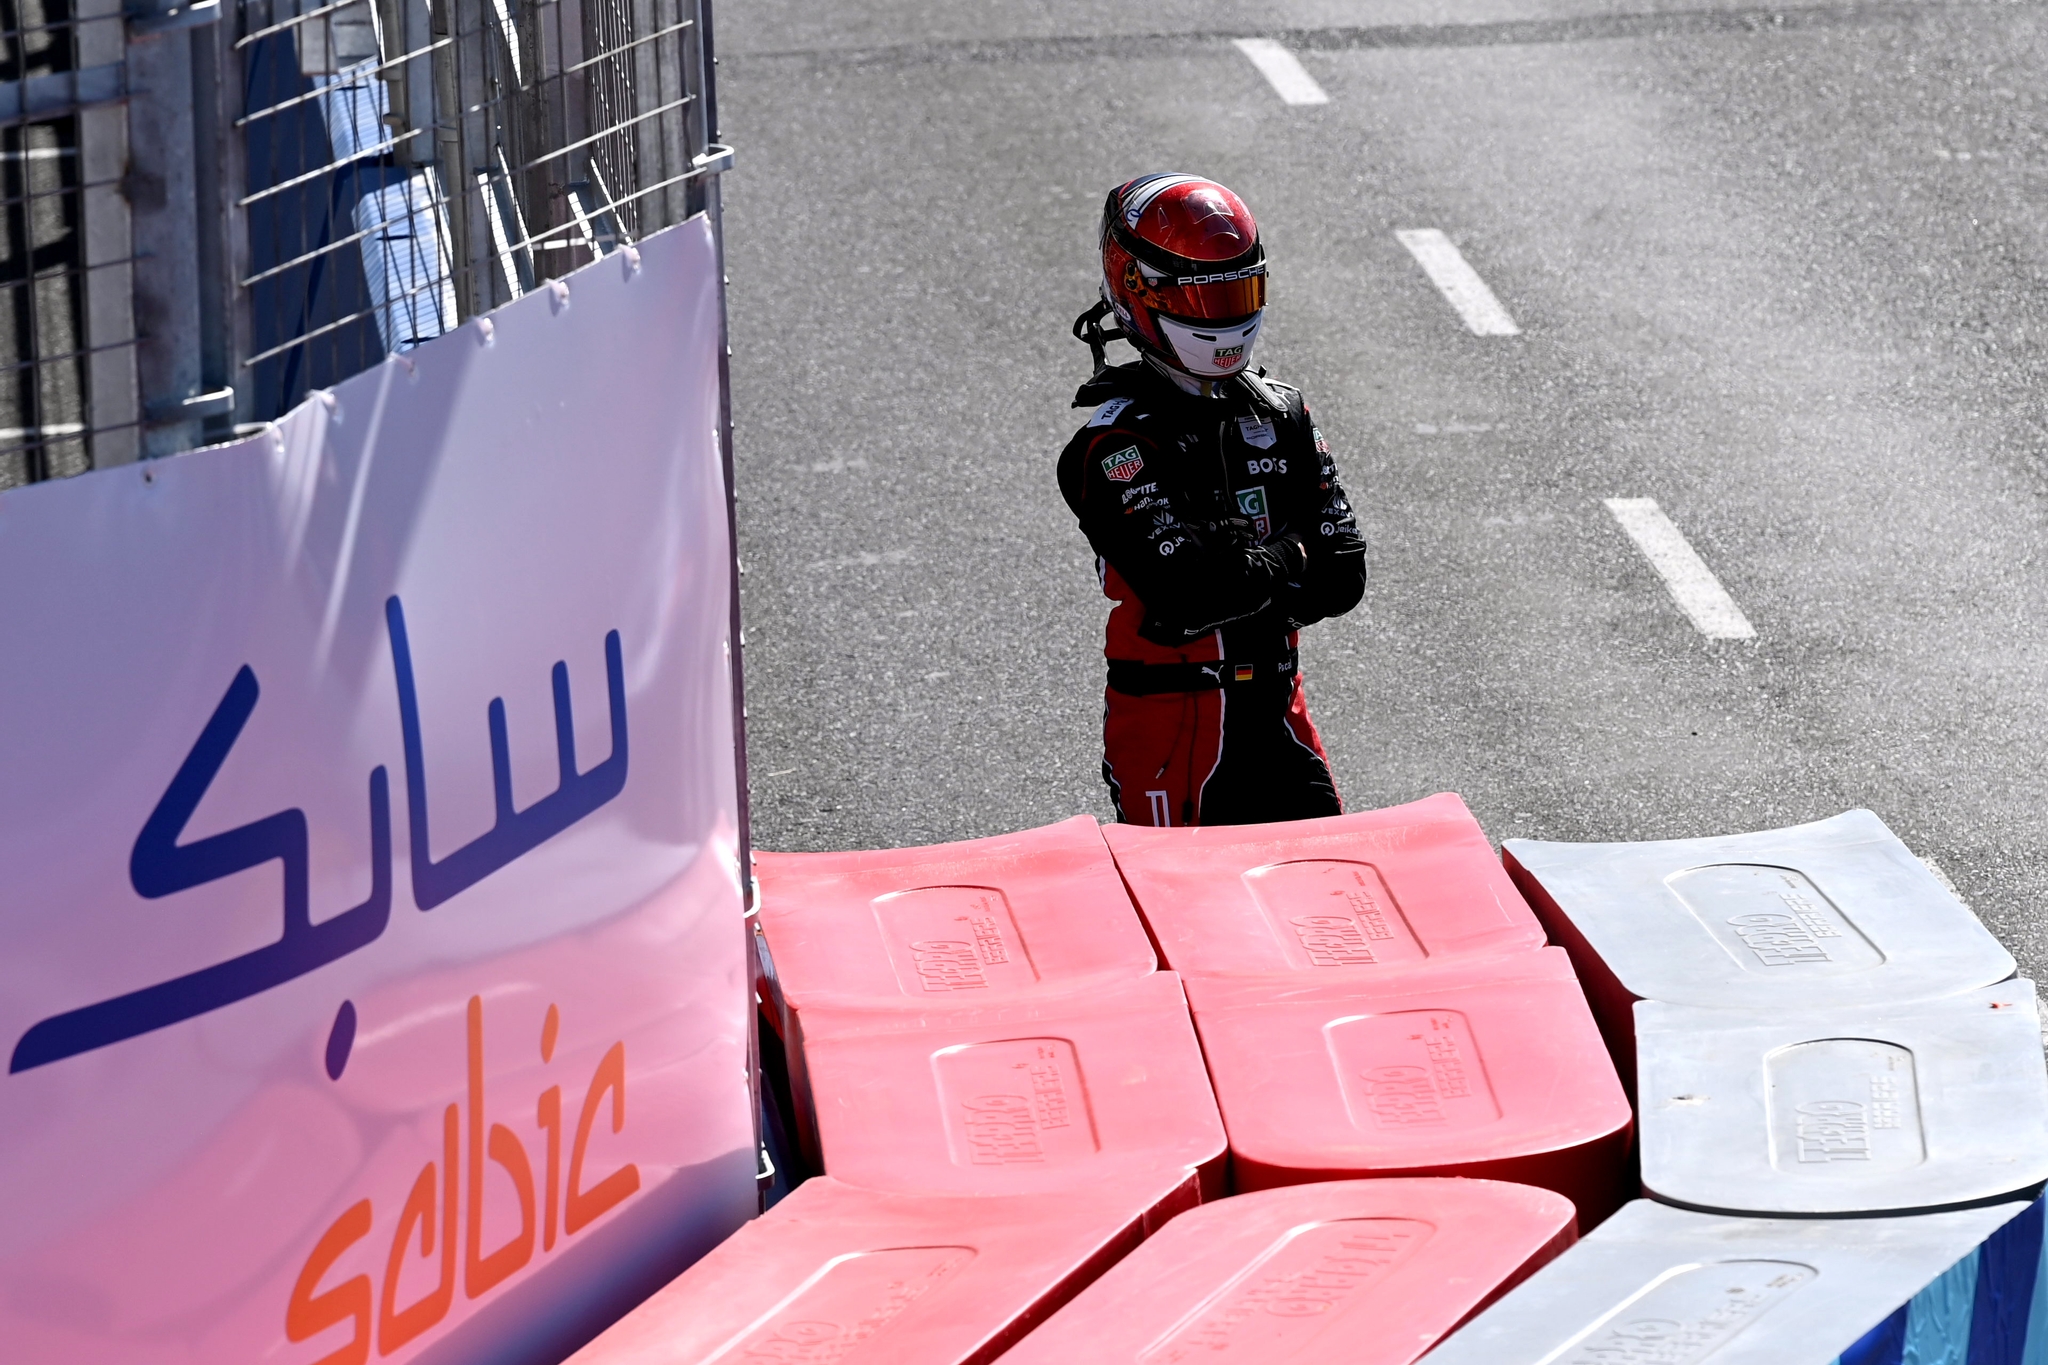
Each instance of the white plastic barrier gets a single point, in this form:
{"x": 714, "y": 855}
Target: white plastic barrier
{"x": 1659, "y": 1284}
{"x": 1887, "y": 1108}
{"x": 372, "y": 973}
{"x": 1838, "y": 912}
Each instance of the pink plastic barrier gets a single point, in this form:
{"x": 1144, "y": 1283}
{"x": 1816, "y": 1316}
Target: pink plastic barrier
{"x": 1490, "y": 1068}
{"x": 1356, "y": 1272}
{"x": 1379, "y": 889}
{"x": 988, "y": 919}
{"x": 1050, "y": 1093}
{"x": 833, "y": 1271}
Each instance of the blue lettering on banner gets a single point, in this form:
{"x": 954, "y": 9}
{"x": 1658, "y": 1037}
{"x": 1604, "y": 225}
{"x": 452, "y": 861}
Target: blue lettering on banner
{"x": 515, "y": 832}
{"x": 160, "y": 866}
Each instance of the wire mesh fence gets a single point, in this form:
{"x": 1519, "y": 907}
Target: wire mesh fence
{"x": 45, "y": 345}
{"x": 339, "y": 179}
{"x": 411, "y": 164}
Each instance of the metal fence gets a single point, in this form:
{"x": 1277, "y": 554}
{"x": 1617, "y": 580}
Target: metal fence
{"x": 215, "y": 206}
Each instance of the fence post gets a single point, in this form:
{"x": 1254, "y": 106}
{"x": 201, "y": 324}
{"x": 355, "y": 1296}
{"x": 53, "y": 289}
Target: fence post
{"x": 111, "y": 398}
{"x": 163, "y": 198}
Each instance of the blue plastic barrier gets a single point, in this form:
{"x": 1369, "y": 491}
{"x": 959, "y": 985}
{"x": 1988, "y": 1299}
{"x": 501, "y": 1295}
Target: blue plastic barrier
{"x": 1990, "y": 1308}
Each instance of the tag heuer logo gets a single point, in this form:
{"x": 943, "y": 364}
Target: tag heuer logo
{"x": 1229, "y": 355}
{"x": 1124, "y": 465}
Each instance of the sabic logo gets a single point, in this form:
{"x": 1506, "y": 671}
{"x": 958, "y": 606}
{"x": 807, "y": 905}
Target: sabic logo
{"x": 948, "y": 965}
{"x": 1295, "y": 1290}
{"x": 553, "y": 1208}
{"x": 1781, "y": 940}
{"x": 842, "y": 1311}
{"x": 1401, "y": 1096}
{"x": 1002, "y": 1131}
{"x": 1833, "y": 1130}
{"x": 1333, "y": 941}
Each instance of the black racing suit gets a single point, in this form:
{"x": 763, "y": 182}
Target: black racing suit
{"x": 1220, "y": 530}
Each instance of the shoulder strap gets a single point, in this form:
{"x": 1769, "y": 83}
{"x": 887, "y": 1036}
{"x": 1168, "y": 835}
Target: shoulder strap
{"x": 1114, "y": 381}
{"x": 1261, "y": 393}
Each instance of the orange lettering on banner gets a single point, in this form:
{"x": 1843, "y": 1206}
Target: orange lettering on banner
{"x": 560, "y": 1213}
{"x": 548, "y": 1114}
{"x": 395, "y": 1327}
{"x": 308, "y": 1314}
{"x": 581, "y": 1206}
{"x": 481, "y": 1272}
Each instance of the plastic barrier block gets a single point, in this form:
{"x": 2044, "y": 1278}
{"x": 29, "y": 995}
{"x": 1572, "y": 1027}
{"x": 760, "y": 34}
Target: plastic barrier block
{"x": 988, "y": 919}
{"x": 1990, "y": 1308}
{"x": 1399, "y": 887}
{"x": 1892, "y": 1107}
{"x": 835, "y": 1273}
{"x": 1837, "y": 912}
{"x": 1356, "y": 1272}
{"x": 1044, "y": 1093}
{"x": 1654, "y": 1283}
{"x": 1490, "y": 1068}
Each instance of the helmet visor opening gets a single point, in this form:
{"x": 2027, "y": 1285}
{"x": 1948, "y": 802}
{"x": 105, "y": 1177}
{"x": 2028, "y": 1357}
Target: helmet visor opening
{"x": 1220, "y": 298}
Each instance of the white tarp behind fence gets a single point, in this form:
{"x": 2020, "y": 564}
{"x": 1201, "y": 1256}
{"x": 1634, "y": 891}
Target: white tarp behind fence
{"x": 371, "y": 961}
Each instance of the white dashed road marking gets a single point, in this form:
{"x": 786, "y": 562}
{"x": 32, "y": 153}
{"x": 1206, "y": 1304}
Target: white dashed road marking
{"x": 1460, "y": 283}
{"x": 866, "y": 559}
{"x": 1693, "y": 586}
{"x": 1283, "y": 71}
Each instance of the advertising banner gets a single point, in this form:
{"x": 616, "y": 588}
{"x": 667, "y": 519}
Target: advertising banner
{"x": 372, "y": 970}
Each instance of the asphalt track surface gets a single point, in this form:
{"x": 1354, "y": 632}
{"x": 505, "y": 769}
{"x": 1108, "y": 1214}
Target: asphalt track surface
{"x": 1780, "y": 269}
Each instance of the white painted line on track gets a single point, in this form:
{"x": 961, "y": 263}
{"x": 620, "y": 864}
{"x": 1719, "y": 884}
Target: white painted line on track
{"x": 1459, "y": 282}
{"x": 1283, "y": 71}
{"x": 1693, "y": 586}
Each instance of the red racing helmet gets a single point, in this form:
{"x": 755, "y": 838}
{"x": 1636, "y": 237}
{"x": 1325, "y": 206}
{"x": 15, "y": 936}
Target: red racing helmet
{"x": 1183, "y": 269}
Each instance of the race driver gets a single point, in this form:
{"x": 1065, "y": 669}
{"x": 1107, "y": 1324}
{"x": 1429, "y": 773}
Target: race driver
{"x": 1219, "y": 526}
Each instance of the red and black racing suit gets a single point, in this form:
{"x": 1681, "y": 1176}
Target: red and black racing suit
{"x": 1220, "y": 530}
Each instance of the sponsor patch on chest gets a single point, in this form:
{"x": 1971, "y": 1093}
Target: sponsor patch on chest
{"x": 1257, "y": 432}
{"x": 1252, "y": 503}
{"x": 1124, "y": 465}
